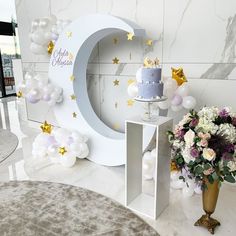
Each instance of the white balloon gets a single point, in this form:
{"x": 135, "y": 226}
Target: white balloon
{"x": 54, "y": 159}
{"x": 62, "y": 136}
{"x": 132, "y": 90}
{"x": 34, "y": 24}
{"x": 189, "y": 102}
{"x": 187, "y": 191}
{"x": 170, "y": 87}
{"x": 58, "y": 90}
{"x": 84, "y": 151}
{"x": 67, "y": 160}
{"x": 37, "y": 49}
{"x": 48, "y": 89}
{"x": 183, "y": 89}
{"x": 47, "y": 36}
{"x": 52, "y": 150}
{"x": 164, "y": 104}
{"x": 176, "y": 108}
{"x": 38, "y": 37}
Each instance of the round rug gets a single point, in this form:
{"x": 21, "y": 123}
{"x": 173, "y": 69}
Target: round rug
{"x": 8, "y": 143}
{"x": 44, "y": 208}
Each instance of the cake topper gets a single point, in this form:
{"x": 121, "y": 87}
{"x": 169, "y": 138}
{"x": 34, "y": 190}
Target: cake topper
{"x": 148, "y": 63}
{"x": 178, "y": 75}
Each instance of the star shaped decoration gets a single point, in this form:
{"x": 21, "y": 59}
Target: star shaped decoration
{"x": 115, "y": 60}
{"x": 178, "y": 75}
{"x": 72, "y": 97}
{"x": 116, "y": 126}
{"x": 46, "y": 127}
{"x": 115, "y": 40}
{"x": 74, "y": 115}
{"x": 130, "y": 81}
{"x": 72, "y": 78}
{"x": 50, "y": 47}
{"x": 116, "y": 82}
{"x": 130, "y": 36}
{"x": 62, "y": 150}
{"x": 69, "y": 34}
{"x": 19, "y": 94}
{"x": 148, "y": 63}
{"x": 149, "y": 42}
{"x": 70, "y": 56}
{"x": 130, "y": 102}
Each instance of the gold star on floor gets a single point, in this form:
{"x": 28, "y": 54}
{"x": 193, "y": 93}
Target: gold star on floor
{"x": 19, "y": 94}
{"x": 62, "y": 150}
{"x": 116, "y": 82}
{"x": 130, "y": 36}
{"x": 115, "y": 40}
{"x": 72, "y": 78}
{"x": 130, "y": 81}
{"x": 130, "y": 102}
{"x": 70, "y": 56}
{"x": 46, "y": 127}
{"x": 149, "y": 42}
{"x": 74, "y": 115}
{"x": 69, "y": 34}
{"x": 116, "y": 126}
{"x": 72, "y": 97}
{"x": 115, "y": 60}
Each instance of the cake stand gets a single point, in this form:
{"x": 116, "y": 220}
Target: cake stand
{"x": 148, "y": 116}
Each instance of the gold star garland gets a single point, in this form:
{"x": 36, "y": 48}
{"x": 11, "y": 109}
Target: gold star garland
{"x": 115, "y": 60}
{"x": 72, "y": 97}
{"x": 46, "y": 127}
{"x": 130, "y": 102}
{"x": 72, "y": 78}
{"x": 74, "y": 115}
{"x": 19, "y": 94}
{"x": 130, "y": 81}
{"x": 69, "y": 34}
{"x": 62, "y": 150}
{"x": 116, "y": 82}
{"x": 130, "y": 36}
{"x": 149, "y": 42}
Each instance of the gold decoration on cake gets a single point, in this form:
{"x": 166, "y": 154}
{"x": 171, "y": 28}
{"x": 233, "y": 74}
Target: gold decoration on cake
{"x": 130, "y": 102}
{"x": 62, "y": 150}
{"x": 116, "y": 126}
{"x": 69, "y": 34}
{"x": 130, "y": 36}
{"x": 115, "y": 60}
{"x": 19, "y": 94}
{"x": 148, "y": 63}
{"x": 130, "y": 81}
{"x": 116, "y": 82}
{"x": 46, "y": 127}
{"x": 72, "y": 78}
{"x": 115, "y": 40}
{"x": 72, "y": 97}
{"x": 149, "y": 42}
{"x": 50, "y": 47}
{"x": 178, "y": 75}
{"x": 74, "y": 115}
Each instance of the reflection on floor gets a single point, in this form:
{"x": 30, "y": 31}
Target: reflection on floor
{"x": 177, "y": 219}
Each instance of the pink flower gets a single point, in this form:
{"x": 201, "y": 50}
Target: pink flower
{"x": 208, "y": 171}
{"x": 203, "y": 143}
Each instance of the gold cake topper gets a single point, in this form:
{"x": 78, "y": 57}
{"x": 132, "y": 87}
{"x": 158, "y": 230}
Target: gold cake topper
{"x": 148, "y": 63}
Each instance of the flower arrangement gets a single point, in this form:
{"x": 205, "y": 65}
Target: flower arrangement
{"x": 203, "y": 144}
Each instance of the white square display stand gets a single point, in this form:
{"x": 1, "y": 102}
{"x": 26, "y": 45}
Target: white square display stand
{"x": 136, "y": 200}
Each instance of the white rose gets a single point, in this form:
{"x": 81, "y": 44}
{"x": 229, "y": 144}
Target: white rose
{"x": 189, "y": 138}
{"x": 187, "y": 156}
{"x": 209, "y": 154}
{"x": 232, "y": 165}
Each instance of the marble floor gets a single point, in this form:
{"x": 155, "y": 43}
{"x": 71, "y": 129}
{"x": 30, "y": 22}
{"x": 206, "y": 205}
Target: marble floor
{"x": 176, "y": 220}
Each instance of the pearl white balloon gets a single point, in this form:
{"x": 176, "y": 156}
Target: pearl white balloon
{"x": 37, "y": 49}
{"x": 47, "y": 36}
{"x": 132, "y": 90}
{"x": 52, "y": 150}
{"x": 62, "y": 136}
{"x": 187, "y": 191}
{"x": 44, "y": 23}
{"x": 189, "y": 102}
{"x": 164, "y": 104}
{"x": 183, "y": 90}
{"x": 176, "y": 108}
{"x": 67, "y": 160}
{"x": 38, "y": 37}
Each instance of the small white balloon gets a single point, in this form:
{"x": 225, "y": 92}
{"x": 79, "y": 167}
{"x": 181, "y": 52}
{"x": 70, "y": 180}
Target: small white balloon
{"x": 183, "y": 89}
{"x": 37, "y": 49}
{"x": 67, "y": 160}
{"x": 38, "y": 37}
{"x": 189, "y": 102}
{"x": 132, "y": 90}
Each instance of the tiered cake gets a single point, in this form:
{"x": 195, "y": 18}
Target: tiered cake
{"x": 149, "y": 81}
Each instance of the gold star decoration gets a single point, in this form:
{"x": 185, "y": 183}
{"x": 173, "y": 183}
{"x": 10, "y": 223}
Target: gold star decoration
{"x": 46, "y": 127}
{"x": 19, "y": 94}
{"x": 130, "y": 36}
{"x": 178, "y": 75}
{"x": 50, "y": 47}
{"x": 74, "y": 115}
{"x": 69, "y": 34}
{"x": 116, "y": 126}
{"x": 149, "y": 42}
{"x": 115, "y": 40}
{"x": 72, "y": 97}
{"x": 148, "y": 63}
{"x": 130, "y": 102}
{"x": 70, "y": 56}
{"x": 72, "y": 78}
{"x": 62, "y": 150}
{"x": 116, "y": 82}
{"x": 115, "y": 60}
{"x": 130, "y": 81}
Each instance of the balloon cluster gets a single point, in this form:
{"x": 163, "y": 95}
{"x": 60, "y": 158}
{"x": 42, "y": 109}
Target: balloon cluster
{"x": 35, "y": 87}
{"x": 60, "y": 145}
{"x": 148, "y": 165}
{"x": 44, "y": 33}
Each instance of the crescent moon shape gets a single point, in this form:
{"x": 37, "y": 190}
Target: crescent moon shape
{"x": 77, "y": 42}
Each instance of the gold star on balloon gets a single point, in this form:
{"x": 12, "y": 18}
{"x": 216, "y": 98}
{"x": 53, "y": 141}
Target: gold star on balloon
{"x": 50, "y": 47}
{"x": 72, "y": 97}
{"x": 62, "y": 150}
{"x": 130, "y": 102}
{"x": 46, "y": 127}
{"x": 130, "y": 81}
{"x": 74, "y": 115}
{"x": 116, "y": 126}
{"x": 115, "y": 60}
{"x": 69, "y": 34}
{"x": 19, "y": 94}
{"x": 149, "y": 42}
{"x": 70, "y": 56}
{"x": 116, "y": 82}
{"x": 115, "y": 40}
{"x": 130, "y": 36}
{"x": 178, "y": 75}
{"x": 72, "y": 78}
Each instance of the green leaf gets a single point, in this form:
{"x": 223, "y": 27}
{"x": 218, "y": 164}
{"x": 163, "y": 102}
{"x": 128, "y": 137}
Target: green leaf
{"x": 215, "y": 176}
{"x": 180, "y": 160}
{"x": 229, "y": 178}
{"x": 207, "y": 166}
{"x": 210, "y": 179}
{"x": 198, "y": 169}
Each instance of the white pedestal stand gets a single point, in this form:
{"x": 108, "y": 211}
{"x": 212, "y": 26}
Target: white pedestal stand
{"x": 136, "y": 200}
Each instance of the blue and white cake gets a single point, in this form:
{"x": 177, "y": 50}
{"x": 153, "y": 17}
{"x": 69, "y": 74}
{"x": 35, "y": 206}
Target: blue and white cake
{"x": 149, "y": 83}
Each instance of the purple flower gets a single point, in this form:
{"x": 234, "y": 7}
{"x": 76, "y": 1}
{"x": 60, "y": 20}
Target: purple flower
{"x": 227, "y": 156}
{"x": 194, "y": 122}
{"x": 194, "y": 152}
{"x": 223, "y": 113}
{"x": 229, "y": 148}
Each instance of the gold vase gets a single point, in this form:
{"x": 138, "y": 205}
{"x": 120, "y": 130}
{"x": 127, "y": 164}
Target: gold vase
{"x": 209, "y": 200}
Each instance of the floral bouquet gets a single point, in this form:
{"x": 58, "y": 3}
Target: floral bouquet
{"x": 204, "y": 145}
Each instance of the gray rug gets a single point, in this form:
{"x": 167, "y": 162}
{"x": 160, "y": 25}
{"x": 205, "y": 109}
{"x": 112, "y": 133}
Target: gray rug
{"x": 8, "y": 143}
{"x": 43, "y": 208}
